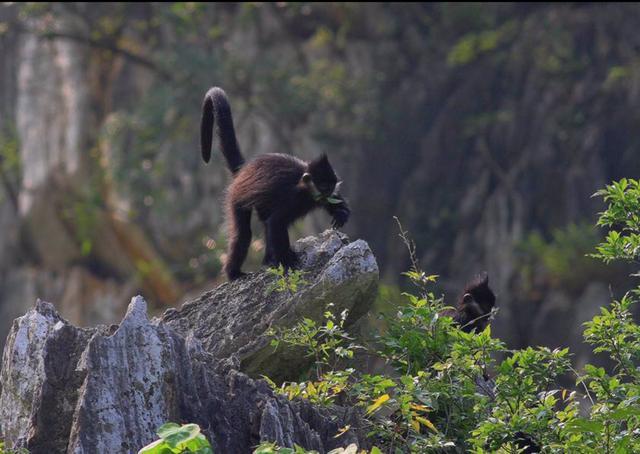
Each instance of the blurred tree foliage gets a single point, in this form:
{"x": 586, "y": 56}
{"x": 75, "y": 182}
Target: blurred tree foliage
{"x": 9, "y": 164}
{"x": 562, "y": 259}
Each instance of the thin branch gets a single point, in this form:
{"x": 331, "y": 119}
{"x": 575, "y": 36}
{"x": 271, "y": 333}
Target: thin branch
{"x": 410, "y": 244}
{"x": 488, "y": 315}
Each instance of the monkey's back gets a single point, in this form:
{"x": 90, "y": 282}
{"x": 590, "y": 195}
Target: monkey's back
{"x": 266, "y": 182}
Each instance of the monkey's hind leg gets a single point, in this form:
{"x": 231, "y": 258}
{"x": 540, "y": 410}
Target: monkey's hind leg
{"x": 269, "y": 256}
{"x": 239, "y": 240}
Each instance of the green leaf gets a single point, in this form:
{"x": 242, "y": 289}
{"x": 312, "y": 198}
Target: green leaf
{"x": 265, "y": 449}
{"x": 157, "y": 447}
{"x": 377, "y": 403}
{"x": 427, "y": 423}
{"x": 199, "y": 445}
{"x": 175, "y": 435}
{"x": 586, "y": 425}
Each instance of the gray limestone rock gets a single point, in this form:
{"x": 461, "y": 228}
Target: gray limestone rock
{"x": 107, "y": 389}
{"x": 232, "y": 320}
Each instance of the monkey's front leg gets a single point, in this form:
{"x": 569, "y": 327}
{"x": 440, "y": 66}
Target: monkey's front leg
{"x": 278, "y": 242}
{"x": 339, "y": 210}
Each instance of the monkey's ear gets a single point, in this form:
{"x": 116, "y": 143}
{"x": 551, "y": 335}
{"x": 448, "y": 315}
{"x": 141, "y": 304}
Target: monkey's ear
{"x": 321, "y": 160}
{"x": 337, "y": 188}
{"x": 484, "y": 278}
{"x": 467, "y": 298}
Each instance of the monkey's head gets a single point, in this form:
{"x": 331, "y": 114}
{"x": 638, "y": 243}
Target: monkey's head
{"x": 321, "y": 176}
{"x": 477, "y": 291}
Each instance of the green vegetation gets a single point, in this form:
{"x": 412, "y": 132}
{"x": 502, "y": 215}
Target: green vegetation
{"x": 327, "y": 344}
{"x": 623, "y": 220}
{"x": 285, "y": 281}
{"x": 562, "y": 261}
{"x": 272, "y": 448}
{"x": 9, "y": 163}
{"x": 4, "y": 450}
{"x": 440, "y": 397}
{"x": 175, "y": 438}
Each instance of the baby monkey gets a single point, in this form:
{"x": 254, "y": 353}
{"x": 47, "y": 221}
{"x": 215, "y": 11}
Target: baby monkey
{"x": 474, "y": 307}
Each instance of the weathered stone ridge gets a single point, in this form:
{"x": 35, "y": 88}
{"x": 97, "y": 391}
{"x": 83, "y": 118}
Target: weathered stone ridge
{"x": 107, "y": 389}
{"x": 232, "y": 320}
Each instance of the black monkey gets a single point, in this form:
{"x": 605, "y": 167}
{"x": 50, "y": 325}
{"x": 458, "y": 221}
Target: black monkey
{"x": 474, "y": 307}
{"x": 472, "y": 313}
{"x": 525, "y": 443}
{"x": 281, "y": 188}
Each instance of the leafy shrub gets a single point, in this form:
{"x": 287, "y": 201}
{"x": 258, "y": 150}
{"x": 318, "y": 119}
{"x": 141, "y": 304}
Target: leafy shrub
{"x": 4, "y": 450}
{"x": 285, "y": 281}
{"x": 440, "y": 397}
{"x": 563, "y": 258}
{"x": 175, "y": 438}
{"x": 622, "y": 217}
{"x": 272, "y": 448}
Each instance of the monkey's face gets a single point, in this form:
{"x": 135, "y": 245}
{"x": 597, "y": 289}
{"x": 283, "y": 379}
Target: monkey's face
{"x": 323, "y": 176}
{"x": 478, "y": 292}
{"x": 326, "y": 187}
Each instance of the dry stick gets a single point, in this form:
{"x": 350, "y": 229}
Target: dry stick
{"x": 410, "y": 244}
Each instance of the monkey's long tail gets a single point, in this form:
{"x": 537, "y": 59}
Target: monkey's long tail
{"x": 216, "y": 112}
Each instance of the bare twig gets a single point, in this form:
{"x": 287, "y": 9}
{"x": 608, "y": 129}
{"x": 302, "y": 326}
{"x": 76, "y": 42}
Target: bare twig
{"x": 411, "y": 246}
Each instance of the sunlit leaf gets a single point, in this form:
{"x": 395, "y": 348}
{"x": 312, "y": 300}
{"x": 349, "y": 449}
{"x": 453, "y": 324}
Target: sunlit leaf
{"x": 377, "y": 403}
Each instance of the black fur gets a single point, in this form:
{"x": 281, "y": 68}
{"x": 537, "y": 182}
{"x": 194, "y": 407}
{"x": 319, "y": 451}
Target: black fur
{"x": 281, "y": 189}
{"x": 216, "y": 111}
{"x": 525, "y": 443}
{"x": 474, "y": 306}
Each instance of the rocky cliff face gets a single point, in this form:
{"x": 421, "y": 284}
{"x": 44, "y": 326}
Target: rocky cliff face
{"x": 106, "y": 389}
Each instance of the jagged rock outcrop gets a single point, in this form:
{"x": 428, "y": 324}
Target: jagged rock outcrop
{"x": 231, "y": 320}
{"x": 107, "y": 389}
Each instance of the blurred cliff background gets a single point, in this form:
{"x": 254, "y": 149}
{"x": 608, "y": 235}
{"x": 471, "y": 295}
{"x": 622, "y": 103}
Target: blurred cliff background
{"x": 484, "y": 128}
